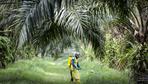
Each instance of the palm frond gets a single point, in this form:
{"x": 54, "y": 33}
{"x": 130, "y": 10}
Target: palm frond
{"x": 42, "y": 27}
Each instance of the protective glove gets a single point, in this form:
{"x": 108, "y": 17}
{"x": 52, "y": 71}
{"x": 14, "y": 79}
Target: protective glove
{"x": 78, "y": 68}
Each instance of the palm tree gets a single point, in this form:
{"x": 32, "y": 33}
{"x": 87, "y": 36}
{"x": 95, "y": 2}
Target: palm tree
{"x": 52, "y": 15}
{"x": 46, "y": 24}
{"x": 43, "y": 22}
{"x": 133, "y": 18}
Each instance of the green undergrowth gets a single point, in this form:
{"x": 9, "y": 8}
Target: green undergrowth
{"x": 47, "y": 71}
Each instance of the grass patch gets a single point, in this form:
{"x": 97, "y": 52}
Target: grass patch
{"x": 47, "y": 71}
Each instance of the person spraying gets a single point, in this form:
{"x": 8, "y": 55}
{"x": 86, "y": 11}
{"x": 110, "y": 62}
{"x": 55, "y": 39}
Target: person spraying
{"x": 74, "y": 67}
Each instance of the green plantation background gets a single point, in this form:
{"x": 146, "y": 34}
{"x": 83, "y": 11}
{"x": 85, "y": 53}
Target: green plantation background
{"x": 47, "y": 71}
{"x": 37, "y": 36}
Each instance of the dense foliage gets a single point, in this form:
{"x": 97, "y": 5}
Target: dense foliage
{"x": 113, "y": 31}
{"x": 5, "y": 52}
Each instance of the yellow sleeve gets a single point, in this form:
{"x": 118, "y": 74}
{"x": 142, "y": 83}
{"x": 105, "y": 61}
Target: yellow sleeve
{"x": 69, "y": 60}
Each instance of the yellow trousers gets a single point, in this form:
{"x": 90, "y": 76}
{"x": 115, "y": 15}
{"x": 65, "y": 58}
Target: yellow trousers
{"x": 76, "y": 76}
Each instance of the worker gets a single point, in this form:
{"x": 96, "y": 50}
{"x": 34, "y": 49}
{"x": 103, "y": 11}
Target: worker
{"x": 74, "y": 67}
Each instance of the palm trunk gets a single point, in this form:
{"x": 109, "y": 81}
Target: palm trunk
{"x": 2, "y": 62}
{"x": 140, "y": 65}
{"x": 140, "y": 62}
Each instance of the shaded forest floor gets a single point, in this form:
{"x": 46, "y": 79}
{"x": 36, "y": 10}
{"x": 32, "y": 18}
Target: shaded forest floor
{"x": 47, "y": 71}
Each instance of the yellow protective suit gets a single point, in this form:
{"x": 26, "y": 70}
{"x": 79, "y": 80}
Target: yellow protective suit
{"x": 75, "y": 72}
{"x": 76, "y": 76}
